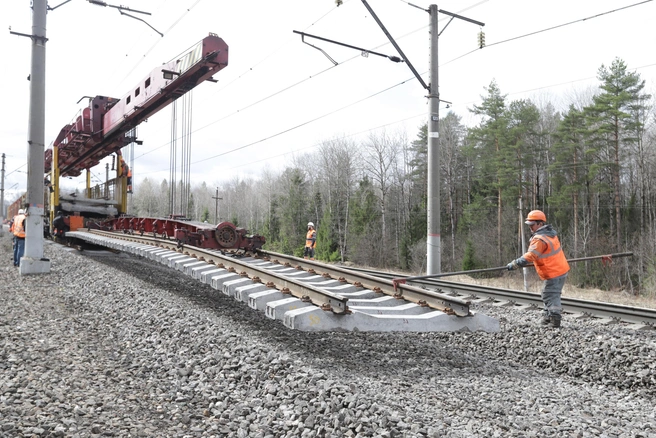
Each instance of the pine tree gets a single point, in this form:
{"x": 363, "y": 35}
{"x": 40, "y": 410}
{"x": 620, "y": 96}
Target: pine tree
{"x": 612, "y": 117}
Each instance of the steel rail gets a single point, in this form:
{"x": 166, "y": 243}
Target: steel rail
{"x": 614, "y": 312}
{"x": 338, "y": 304}
{"x": 417, "y": 295}
{"x": 306, "y": 292}
{"x": 450, "y": 297}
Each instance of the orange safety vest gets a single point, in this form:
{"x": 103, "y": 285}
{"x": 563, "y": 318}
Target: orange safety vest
{"x": 19, "y": 226}
{"x": 311, "y": 239}
{"x": 547, "y": 256}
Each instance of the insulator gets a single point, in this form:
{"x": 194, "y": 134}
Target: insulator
{"x": 481, "y": 39}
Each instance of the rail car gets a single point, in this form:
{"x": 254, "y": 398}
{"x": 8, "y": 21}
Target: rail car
{"x": 223, "y": 236}
{"x": 12, "y": 209}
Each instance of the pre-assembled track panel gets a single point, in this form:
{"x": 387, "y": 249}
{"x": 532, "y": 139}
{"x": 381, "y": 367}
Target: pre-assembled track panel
{"x": 638, "y": 317}
{"x": 304, "y": 295}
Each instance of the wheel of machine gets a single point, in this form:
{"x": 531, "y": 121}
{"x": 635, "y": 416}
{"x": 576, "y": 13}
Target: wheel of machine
{"x": 226, "y": 235}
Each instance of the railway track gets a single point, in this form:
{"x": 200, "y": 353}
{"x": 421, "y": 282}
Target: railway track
{"x": 303, "y": 294}
{"x": 308, "y": 295}
{"x": 637, "y": 317}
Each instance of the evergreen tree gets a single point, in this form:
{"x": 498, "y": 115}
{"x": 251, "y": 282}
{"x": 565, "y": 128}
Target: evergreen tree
{"x": 327, "y": 248}
{"x": 488, "y": 143}
{"x": 570, "y": 173}
{"x": 612, "y": 117}
{"x": 469, "y": 260}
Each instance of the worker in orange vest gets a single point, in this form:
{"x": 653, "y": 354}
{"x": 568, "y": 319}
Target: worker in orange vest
{"x": 127, "y": 172}
{"x": 547, "y": 256}
{"x": 18, "y": 228}
{"x": 310, "y": 242}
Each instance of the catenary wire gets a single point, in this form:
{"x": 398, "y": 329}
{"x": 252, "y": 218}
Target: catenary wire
{"x": 496, "y": 43}
{"x": 500, "y": 42}
{"x": 548, "y": 29}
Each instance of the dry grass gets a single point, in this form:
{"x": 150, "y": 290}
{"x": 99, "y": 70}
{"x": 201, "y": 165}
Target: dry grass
{"x": 515, "y": 282}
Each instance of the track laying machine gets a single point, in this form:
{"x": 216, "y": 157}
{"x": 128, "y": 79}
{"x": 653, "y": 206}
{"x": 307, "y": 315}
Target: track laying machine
{"x": 107, "y": 125}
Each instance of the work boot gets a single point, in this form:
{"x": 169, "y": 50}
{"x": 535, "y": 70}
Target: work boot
{"x": 546, "y": 319}
{"x": 555, "y": 321}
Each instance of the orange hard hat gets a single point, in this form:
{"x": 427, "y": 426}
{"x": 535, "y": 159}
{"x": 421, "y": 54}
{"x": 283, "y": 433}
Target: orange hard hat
{"x": 534, "y": 216}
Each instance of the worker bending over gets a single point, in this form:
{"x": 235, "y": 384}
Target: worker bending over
{"x": 547, "y": 256}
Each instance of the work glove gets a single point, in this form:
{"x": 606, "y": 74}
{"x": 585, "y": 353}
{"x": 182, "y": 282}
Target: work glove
{"x": 513, "y": 265}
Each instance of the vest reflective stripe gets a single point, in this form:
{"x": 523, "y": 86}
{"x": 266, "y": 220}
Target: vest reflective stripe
{"x": 19, "y": 226}
{"x": 550, "y": 244}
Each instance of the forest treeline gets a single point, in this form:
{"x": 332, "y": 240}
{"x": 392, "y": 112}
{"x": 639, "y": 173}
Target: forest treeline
{"x": 591, "y": 169}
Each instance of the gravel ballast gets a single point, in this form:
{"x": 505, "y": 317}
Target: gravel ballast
{"x": 116, "y": 345}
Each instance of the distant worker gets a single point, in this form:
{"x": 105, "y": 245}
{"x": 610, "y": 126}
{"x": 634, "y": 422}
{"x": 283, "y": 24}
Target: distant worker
{"x": 127, "y": 172}
{"x": 59, "y": 225}
{"x": 547, "y": 256}
{"x": 310, "y": 242}
{"x": 18, "y": 229}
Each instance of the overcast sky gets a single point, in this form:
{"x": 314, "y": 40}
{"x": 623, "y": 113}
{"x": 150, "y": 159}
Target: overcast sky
{"x": 279, "y": 98}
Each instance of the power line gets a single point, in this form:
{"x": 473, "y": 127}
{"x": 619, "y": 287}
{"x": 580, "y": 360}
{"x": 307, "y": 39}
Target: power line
{"x": 550, "y": 28}
{"x": 280, "y": 47}
{"x": 306, "y": 79}
{"x": 175, "y": 23}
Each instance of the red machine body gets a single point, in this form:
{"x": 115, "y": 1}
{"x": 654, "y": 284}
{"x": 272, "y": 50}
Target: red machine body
{"x": 202, "y": 235}
{"x": 103, "y": 127}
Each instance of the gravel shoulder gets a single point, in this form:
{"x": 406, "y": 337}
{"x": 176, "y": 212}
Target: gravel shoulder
{"x": 119, "y": 346}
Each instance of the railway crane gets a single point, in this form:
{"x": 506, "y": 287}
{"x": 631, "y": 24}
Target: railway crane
{"x": 104, "y": 127}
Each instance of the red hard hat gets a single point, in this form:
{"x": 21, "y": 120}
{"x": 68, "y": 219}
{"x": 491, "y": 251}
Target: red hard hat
{"x": 535, "y": 215}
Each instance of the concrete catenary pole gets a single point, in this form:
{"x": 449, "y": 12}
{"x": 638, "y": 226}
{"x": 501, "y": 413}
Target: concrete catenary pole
{"x": 33, "y": 261}
{"x": 433, "y": 241}
{"x": 2, "y": 194}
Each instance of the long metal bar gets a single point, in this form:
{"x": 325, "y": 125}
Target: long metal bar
{"x": 461, "y": 17}
{"x": 402, "y": 280}
{"x": 396, "y": 46}
{"x": 392, "y": 58}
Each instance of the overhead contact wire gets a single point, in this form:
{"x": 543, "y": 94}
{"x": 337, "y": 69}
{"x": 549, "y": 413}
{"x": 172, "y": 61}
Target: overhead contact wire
{"x": 548, "y": 29}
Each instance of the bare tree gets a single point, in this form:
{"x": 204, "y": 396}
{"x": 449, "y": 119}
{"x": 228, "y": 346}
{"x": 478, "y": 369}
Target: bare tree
{"x": 337, "y": 176}
{"x": 380, "y": 158}
{"x": 451, "y": 138}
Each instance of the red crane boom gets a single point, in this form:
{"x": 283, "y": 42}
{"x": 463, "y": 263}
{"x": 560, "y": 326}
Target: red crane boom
{"x": 103, "y": 127}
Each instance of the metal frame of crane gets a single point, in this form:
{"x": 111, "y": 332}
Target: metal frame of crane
{"x": 103, "y": 128}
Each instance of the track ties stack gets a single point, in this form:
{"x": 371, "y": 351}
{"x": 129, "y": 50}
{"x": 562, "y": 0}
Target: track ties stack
{"x": 368, "y": 310}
